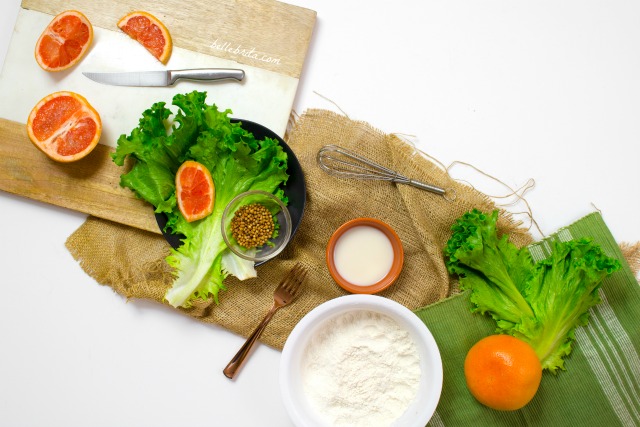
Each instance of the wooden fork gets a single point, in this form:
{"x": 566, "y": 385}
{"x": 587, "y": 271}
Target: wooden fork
{"x": 283, "y": 295}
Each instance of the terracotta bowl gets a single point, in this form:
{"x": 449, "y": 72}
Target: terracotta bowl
{"x": 396, "y": 266}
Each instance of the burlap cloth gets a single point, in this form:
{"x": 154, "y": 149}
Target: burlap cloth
{"x": 132, "y": 261}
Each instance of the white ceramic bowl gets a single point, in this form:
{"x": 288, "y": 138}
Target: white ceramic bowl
{"x": 418, "y": 413}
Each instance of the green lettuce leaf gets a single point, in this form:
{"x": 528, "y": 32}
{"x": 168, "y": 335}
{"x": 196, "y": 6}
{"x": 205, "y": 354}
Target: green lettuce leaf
{"x": 237, "y": 162}
{"x": 561, "y": 290}
{"x": 541, "y": 303}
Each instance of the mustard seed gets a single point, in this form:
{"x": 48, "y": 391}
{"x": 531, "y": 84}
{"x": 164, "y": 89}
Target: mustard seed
{"x": 252, "y": 225}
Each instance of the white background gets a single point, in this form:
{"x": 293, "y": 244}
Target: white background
{"x": 545, "y": 90}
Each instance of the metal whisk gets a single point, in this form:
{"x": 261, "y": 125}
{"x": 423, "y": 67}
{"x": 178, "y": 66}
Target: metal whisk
{"x": 345, "y": 163}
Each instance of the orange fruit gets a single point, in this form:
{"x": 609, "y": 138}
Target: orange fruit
{"x": 64, "y": 126}
{"x": 195, "y": 190}
{"x": 64, "y": 42}
{"x": 149, "y": 32}
{"x": 502, "y": 372}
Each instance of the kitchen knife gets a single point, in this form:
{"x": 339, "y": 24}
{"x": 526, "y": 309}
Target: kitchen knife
{"x": 164, "y": 78}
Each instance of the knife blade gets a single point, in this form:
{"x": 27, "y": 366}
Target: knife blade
{"x": 165, "y": 77}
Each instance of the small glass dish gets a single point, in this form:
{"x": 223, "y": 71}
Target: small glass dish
{"x": 281, "y": 217}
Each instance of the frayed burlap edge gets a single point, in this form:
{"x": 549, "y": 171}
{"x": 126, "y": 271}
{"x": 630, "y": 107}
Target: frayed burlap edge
{"x": 631, "y": 252}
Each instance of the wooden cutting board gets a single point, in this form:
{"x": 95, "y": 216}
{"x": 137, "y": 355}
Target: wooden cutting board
{"x": 266, "y": 38}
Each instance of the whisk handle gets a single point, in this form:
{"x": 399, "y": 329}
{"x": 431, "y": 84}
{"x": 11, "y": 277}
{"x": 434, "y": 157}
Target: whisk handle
{"x": 423, "y": 186}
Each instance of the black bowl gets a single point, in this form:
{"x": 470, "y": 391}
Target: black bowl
{"x": 295, "y": 189}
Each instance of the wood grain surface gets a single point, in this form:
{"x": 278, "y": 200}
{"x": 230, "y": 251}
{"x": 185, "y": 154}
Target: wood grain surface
{"x": 262, "y": 33}
{"x": 246, "y": 31}
{"x": 90, "y": 185}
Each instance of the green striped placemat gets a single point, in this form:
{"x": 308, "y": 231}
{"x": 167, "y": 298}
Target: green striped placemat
{"x": 601, "y": 386}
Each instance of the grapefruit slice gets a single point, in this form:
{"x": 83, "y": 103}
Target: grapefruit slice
{"x": 147, "y": 30}
{"x": 64, "y": 126}
{"x": 195, "y": 190}
{"x": 64, "y": 42}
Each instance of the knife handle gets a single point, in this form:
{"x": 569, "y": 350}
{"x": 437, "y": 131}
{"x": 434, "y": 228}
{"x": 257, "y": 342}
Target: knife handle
{"x": 206, "y": 74}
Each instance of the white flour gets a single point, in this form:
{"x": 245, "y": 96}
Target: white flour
{"x": 361, "y": 369}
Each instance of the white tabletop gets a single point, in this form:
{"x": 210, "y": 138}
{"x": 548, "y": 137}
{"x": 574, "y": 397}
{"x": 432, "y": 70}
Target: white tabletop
{"x": 544, "y": 90}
